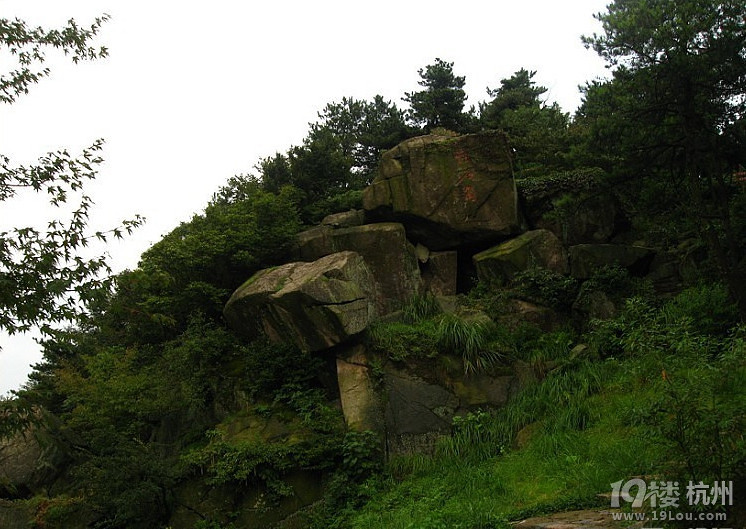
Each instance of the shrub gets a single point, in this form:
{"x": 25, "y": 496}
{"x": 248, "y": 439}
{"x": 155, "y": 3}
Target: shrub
{"x": 545, "y": 287}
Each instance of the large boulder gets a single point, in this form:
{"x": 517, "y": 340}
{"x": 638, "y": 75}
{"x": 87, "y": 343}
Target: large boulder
{"x": 587, "y": 258}
{"x": 314, "y": 305}
{"x": 386, "y": 250}
{"x": 448, "y": 191}
{"x": 537, "y": 248}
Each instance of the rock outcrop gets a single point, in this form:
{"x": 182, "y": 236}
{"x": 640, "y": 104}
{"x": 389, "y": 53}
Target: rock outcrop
{"x": 436, "y": 201}
{"x": 15, "y": 515}
{"x": 447, "y": 191}
{"x": 314, "y": 305}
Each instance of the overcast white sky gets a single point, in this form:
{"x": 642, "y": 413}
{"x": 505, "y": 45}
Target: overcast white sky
{"x": 195, "y": 92}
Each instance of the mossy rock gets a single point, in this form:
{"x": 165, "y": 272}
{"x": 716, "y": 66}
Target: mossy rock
{"x": 314, "y": 306}
{"x": 537, "y": 248}
{"x": 447, "y": 190}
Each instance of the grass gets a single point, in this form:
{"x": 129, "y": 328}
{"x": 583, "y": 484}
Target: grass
{"x": 425, "y": 332}
{"x": 582, "y": 445}
{"x": 590, "y": 422}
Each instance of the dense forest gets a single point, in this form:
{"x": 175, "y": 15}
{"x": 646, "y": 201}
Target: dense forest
{"x": 150, "y": 411}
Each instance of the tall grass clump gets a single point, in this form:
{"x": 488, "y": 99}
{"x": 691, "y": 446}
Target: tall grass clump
{"x": 420, "y": 307}
{"x": 469, "y": 338}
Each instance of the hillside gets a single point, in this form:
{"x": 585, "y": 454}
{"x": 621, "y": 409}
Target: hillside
{"x": 430, "y": 318}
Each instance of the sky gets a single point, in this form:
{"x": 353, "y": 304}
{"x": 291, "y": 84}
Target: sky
{"x": 193, "y": 93}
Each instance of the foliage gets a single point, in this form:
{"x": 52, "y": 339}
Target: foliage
{"x": 699, "y": 415}
{"x": 28, "y": 45}
{"x": 400, "y": 341}
{"x": 268, "y": 367}
{"x": 468, "y": 338}
{"x": 696, "y": 374}
{"x": 471, "y": 436}
{"x": 536, "y": 188}
{"x": 708, "y": 305}
{"x": 426, "y": 333}
{"x": 361, "y": 455}
{"x": 676, "y": 100}
{"x": 44, "y": 276}
{"x": 338, "y": 156}
{"x": 617, "y": 283}
{"x": 151, "y": 389}
{"x": 201, "y": 261}
{"x": 344, "y": 201}
{"x": 441, "y": 103}
{"x": 545, "y": 287}
{"x": 670, "y": 400}
{"x": 538, "y": 132}
{"x": 364, "y": 129}
{"x": 420, "y": 307}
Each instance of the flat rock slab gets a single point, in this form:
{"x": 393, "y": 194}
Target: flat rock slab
{"x": 537, "y": 248}
{"x": 448, "y": 191}
{"x": 312, "y": 305}
{"x": 586, "y": 519}
{"x": 345, "y": 219}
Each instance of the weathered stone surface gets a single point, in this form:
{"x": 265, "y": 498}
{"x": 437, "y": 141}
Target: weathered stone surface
{"x": 314, "y": 243}
{"x": 422, "y": 400}
{"x": 586, "y": 258}
{"x": 440, "y": 273}
{"x": 448, "y": 191}
{"x": 345, "y": 219}
{"x": 416, "y": 407}
{"x": 417, "y": 413}
{"x": 538, "y": 248}
{"x": 588, "y": 519}
{"x": 480, "y": 389}
{"x": 20, "y": 462}
{"x": 15, "y": 514}
{"x": 422, "y": 252}
{"x": 313, "y": 305}
{"x": 361, "y": 404}
{"x": 250, "y": 506}
{"x": 383, "y": 246}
